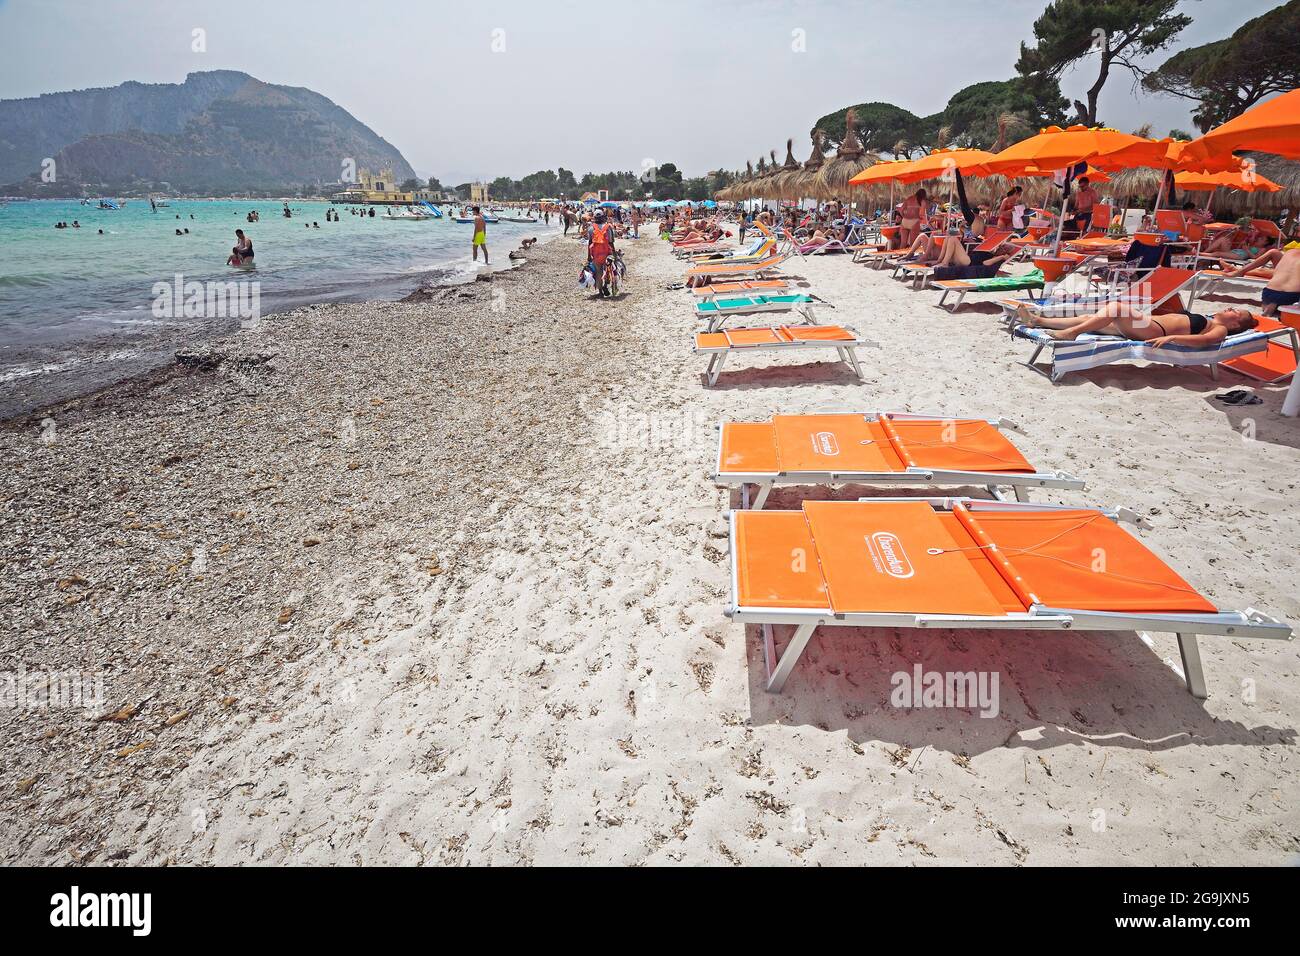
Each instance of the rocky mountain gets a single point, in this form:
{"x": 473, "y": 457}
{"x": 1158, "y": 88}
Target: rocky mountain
{"x": 218, "y": 132}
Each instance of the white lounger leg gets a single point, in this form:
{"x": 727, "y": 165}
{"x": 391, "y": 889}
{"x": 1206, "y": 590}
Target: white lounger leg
{"x": 853, "y": 362}
{"x": 778, "y": 671}
{"x": 761, "y": 492}
{"x": 715, "y": 367}
{"x": 1192, "y": 665}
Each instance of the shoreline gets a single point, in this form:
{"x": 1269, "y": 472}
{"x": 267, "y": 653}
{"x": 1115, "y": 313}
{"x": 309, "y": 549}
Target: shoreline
{"x": 65, "y": 370}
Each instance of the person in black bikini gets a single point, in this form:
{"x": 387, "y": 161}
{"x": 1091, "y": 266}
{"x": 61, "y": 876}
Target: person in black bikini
{"x": 1169, "y": 328}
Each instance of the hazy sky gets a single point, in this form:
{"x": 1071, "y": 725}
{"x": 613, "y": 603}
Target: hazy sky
{"x": 477, "y": 90}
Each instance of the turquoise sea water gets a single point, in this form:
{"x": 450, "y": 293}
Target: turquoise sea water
{"x": 54, "y": 278}
{"x": 62, "y": 290}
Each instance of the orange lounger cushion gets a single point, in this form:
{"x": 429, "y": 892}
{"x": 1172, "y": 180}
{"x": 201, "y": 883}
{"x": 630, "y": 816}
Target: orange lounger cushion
{"x": 749, "y": 448}
{"x": 777, "y": 564}
{"x": 958, "y": 445}
{"x": 1083, "y": 560}
{"x": 894, "y": 557}
{"x": 824, "y": 443}
{"x": 817, "y": 333}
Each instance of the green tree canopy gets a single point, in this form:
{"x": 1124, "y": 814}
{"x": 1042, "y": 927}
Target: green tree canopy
{"x": 1118, "y": 32}
{"x": 980, "y": 114}
{"x": 1227, "y": 77}
{"x": 882, "y": 128}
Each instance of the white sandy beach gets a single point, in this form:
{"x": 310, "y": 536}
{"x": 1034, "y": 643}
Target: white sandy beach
{"x": 461, "y": 589}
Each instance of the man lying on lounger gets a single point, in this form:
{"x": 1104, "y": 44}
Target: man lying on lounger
{"x": 1284, "y": 287}
{"x": 1169, "y": 328}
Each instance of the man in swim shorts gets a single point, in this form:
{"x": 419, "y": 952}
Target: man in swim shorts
{"x": 480, "y": 235}
{"x": 1283, "y": 286}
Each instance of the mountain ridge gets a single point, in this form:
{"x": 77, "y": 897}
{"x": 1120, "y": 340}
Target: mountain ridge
{"x": 217, "y": 131}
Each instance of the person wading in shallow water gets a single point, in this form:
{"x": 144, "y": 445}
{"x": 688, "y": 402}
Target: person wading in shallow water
{"x": 480, "y": 235}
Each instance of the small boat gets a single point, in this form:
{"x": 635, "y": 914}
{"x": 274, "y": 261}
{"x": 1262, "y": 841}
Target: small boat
{"x": 109, "y": 204}
{"x": 406, "y": 214}
{"x": 470, "y": 220}
{"x": 517, "y": 219}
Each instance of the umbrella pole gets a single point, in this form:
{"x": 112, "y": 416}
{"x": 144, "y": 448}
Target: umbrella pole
{"x": 1161, "y": 194}
{"x": 1060, "y": 226}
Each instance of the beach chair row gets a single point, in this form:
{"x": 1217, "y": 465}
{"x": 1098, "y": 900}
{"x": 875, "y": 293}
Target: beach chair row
{"x": 1002, "y": 563}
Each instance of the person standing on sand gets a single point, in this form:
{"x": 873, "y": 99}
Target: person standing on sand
{"x": 480, "y": 235}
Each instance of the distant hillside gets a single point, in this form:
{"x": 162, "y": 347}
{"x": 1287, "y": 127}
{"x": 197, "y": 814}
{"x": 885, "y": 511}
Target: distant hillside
{"x": 218, "y": 132}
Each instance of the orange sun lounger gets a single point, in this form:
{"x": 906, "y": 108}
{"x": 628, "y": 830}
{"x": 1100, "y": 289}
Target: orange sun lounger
{"x": 878, "y": 448}
{"x": 783, "y": 338}
{"x": 722, "y": 269}
{"x": 960, "y": 563}
{"x": 742, "y": 287}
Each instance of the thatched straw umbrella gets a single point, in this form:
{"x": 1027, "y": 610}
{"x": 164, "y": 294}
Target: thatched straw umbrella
{"x": 1284, "y": 172}
{"x": 810, "y": 185}
{"x": 764, "y": 185}
{"x": 1141, "y": 181}
{"x": 849, "y": 160}
{"x": 789, "y": 180}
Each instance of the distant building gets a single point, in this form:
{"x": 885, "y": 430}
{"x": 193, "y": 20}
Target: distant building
{"x": 478, "y": 192}
{"x": 370, "y": 188}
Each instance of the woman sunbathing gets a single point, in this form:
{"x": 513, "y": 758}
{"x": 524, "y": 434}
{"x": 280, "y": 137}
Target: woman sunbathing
{"x": 1122, "y": 319}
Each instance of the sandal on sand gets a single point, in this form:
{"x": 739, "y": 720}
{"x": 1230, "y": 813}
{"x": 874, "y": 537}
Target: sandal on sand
{"x": 673, "y": 286}
{"x": 1239, "y": 396}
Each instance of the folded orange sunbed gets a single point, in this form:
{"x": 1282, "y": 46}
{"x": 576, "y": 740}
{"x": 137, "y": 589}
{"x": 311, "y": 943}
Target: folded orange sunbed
{"x": 1275, "y": 364}
{"x": 961, "y": 563}
{"x": 878, "y": 448}
{"x": 718, "y": 345}
{"x": 743, "y": 287}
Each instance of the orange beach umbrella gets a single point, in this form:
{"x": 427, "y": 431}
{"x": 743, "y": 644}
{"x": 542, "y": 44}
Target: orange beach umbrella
{"x": 1244, "y": 179}
{"x": 882, "y": 172}
{"x": 1056, "y": 148}
{"x": 944, "y": 162}
{"x": 1270, "y": 127}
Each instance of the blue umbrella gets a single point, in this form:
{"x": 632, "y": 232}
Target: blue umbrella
{"x": 709, "y": 204}
{"x": 609, "y": 205}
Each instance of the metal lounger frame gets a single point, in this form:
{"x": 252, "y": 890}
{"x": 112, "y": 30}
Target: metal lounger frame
{"x": 1187, "y": 626}
{"x": 993, "y": 482}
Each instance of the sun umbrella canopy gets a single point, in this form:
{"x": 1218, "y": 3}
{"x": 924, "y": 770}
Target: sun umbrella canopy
{"x": 1244, "y": 179}
{"x": 1092, "y": 174}
{"x": 944, "y": 162}
{"x": 1056, "y": 148}
{"x": 882, "y": 172}
{"x": 1271, "y": 127}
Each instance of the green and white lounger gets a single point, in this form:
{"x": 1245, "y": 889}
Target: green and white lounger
{"x": 1027, "y": 282}
{"x": 716, "y": 311}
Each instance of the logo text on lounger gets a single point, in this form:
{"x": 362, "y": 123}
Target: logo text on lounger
{"x": 961, "y": 689}
{"x": 888, "y": 556}
{"x": 825, "y": 443}
{"x": 74, "y": 908}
